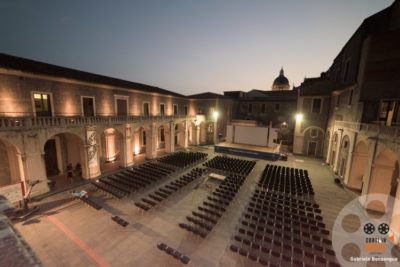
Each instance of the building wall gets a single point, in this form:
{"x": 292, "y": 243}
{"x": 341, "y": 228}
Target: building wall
{"x": 5, "y": 174}
{"x": 66, "y": 97}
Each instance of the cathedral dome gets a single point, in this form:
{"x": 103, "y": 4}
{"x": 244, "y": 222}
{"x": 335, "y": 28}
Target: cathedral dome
{"x": 281, "y": 82}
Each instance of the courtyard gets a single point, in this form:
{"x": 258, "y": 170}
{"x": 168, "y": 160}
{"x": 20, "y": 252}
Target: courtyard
{"x": 67, "y": 232}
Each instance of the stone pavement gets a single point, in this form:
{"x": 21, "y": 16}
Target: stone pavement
{"x": 67, "y": 232}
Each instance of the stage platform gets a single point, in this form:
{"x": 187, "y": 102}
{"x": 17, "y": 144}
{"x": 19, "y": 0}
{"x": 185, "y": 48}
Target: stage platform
{"x": 249, "y": 151}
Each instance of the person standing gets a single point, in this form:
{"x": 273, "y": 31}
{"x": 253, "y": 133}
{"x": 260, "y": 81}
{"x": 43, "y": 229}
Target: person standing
{"x": 69, "y": 172}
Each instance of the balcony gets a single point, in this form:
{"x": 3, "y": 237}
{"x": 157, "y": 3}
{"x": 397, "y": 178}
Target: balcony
{"x": 371, "y": 129}
{"x": 27, "y": 123}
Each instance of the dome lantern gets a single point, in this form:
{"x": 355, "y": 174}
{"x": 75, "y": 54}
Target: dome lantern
{"x": 281, "y": 82}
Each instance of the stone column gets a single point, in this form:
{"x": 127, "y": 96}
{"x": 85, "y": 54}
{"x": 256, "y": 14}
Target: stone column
{"x": 169, "y": 137}
{"x": 185, "y": 134}
{"x": 33, "y": 163}
{"x": 338, "y": 144}
{"x": 197, "y": 135}
{"x": 35, "y": 169}
{"x": 368, "y": 174}
{"x": 215, "y": 133}
{"x": 126, "y": 147}
{"x": 151, "y": 142}
{"x": 352, "y": 137}
{"x": 298, "y": 142}
{"x": 329, "y": 152}
{"x": 91, "y": 166}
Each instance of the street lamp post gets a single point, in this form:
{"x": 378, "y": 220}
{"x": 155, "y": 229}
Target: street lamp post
{"x": 215, "y": 116}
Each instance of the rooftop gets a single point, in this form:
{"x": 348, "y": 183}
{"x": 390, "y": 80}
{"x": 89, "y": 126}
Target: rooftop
{"x": 35, "y": 67}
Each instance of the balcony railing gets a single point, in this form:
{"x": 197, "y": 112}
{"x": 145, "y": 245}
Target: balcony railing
{"x": 371, "y": 129}
{"x": 20, "y": 123}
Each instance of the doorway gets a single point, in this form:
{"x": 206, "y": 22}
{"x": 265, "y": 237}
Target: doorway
{"x": 50, "y": 156}
{"x": 312, "y": 149}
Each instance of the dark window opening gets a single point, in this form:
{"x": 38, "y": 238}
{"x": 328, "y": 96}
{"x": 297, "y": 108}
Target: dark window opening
{"x": 88, "y": 106}
{"x": 122, "y": 107}
{"x": 162, "y": 109}
{"x": 162, "y": 135}
{"x": 146, "y": 109}
{"x": 316, "y": 105}
{"x": 351, "y": 97}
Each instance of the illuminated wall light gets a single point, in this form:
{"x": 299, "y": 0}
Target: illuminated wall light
{"x": 299, "y": 117}
{"x": 136, "y": 150}
{"x": 216, "y": 115}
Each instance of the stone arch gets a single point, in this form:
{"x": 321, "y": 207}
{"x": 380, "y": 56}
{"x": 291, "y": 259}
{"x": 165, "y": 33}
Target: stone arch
{"x": 203, "y": 133}
{"x": 358, "y": 166}
{"x": 191, "y": 134}
{"x": 179, "y": 134}
{"x": 111, "y": 145}
{"x": 161, "y": 136}
{"x": 11, "y": 165}
{"x": 313, "y": 127}
{"x": 62, "y": 149}
{"x": 140, "y": 140}
{"x": 343, "y": 155}
{"x": 384, "y": 174}
{"x": 313, "y": 141}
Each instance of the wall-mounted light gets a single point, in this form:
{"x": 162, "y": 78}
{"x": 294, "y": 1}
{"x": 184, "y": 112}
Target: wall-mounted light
{"x": 299, "y": 117}
{"x": 216, "y": 115}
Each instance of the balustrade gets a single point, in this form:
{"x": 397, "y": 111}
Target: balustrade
{"x": 21, "y": 123}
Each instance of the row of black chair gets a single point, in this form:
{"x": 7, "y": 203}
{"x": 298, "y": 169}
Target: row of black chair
{"x": 202, "y": 221}
{"x": 173, "y": 252}
{"x": 182, "y": 159}
{"x": 133, "y": 179}
{"x": 120, "y": 221}
{"x": 284, "y": 179}
{"x": 280, "y": 229}
{"x": 232, "y": 165}
{"x": 90, "y": 202}
{"x": 164, "y": 192}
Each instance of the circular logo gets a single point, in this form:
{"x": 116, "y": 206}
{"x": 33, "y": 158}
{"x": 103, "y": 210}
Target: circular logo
{"x": 361, "y": 234}
{"x": 383, "y": 228}
{"x": 369, "y": 228}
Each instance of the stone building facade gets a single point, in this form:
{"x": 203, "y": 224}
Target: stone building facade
{"x": 53, "y": 116}
{"x": 359, "y": 125}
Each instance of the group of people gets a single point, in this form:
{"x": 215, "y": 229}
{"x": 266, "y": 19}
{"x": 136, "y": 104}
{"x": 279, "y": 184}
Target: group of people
{"x": 71, "y": 171}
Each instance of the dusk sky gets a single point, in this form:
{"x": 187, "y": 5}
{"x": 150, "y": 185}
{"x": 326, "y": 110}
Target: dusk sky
{"x": 185, "y": 46}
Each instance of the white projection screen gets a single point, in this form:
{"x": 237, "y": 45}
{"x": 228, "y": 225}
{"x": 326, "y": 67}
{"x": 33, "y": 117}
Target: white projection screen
{"x": 251, "y": 135}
